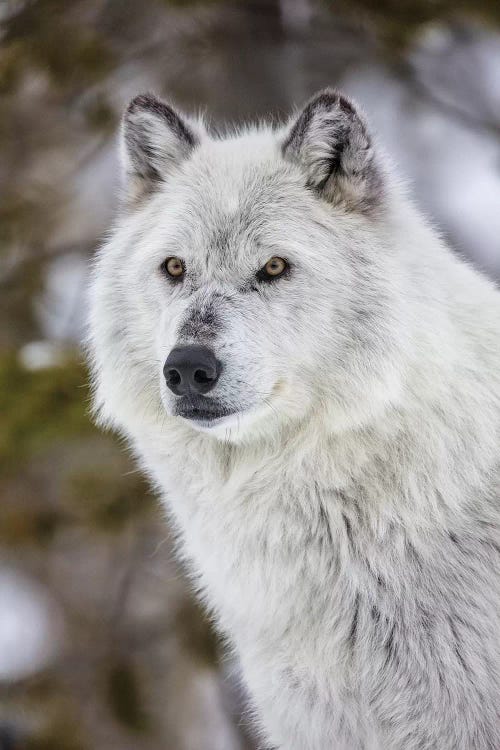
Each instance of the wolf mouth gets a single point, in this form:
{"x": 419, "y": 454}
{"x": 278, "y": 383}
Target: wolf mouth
{"x": 201, "y": 409}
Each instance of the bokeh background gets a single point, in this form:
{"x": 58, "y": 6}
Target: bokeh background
{"x": 101, "y": 644}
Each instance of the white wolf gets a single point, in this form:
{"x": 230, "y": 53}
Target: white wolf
{"x": 312, "y": 379}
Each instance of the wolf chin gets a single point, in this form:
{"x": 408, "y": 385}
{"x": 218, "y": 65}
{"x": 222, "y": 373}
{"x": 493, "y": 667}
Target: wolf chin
{"x": 312, "y": 380}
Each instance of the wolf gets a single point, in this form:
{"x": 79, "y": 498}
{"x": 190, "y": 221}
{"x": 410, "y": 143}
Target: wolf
{"x": 311, "y": 379}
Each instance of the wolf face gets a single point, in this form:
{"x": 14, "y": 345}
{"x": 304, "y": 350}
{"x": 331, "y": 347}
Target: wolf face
{"x": 248, "y": 280}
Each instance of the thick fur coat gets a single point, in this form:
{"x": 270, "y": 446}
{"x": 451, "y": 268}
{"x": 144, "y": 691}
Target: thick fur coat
{"x": 336, "y": 493}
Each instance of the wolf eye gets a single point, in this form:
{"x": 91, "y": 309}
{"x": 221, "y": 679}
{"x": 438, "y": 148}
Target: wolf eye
{"x": 274, "y": 268}
{"x": 173, "y": 267}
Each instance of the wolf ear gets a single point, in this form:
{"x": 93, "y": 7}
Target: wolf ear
{"x": 155, "y": 139}
{"x": 330, "y": 141}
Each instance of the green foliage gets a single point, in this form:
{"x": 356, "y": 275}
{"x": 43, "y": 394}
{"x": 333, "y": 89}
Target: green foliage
{"x": 23, "y": 217}
{"x": 187, "y": 3}
{"x": 124, "y": 697}
{"x": 44, "y": 418}
{"x": 24, "y": 524}
{"x": 197, "y": 635}
{"x": 396, "y": 22}
{"x": 100, "y": 116}
{"x": 59, "y": 736}
{"x": 49, "y": 718}
{"x": 106, "y": 498}
{"x": 47, "y": 35}
{"x": 39, "y": 407}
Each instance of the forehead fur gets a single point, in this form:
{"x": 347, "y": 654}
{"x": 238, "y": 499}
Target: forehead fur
{"x": 232, "y": 193}
{"x": 240, "y": 174}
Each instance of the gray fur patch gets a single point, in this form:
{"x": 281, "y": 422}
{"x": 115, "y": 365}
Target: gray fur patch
{"x": 202, "y": 323}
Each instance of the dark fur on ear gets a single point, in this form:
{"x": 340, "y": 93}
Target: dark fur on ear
{"x": 330, "y": 141}
{"x": 155, "y": 140}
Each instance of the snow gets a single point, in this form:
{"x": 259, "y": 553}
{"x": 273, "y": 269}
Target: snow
{"x": 30, "y": 629}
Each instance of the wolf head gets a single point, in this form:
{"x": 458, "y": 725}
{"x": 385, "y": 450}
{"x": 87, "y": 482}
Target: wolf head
{"x": 250, "y": 280}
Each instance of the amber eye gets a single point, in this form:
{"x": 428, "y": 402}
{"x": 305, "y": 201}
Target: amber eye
{"x": 274, "y": 268}
{"x": 173, "y": 267}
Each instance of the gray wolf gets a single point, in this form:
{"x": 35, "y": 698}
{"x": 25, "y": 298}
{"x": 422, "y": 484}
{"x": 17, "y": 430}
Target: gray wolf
{"x": 311, "y": 379}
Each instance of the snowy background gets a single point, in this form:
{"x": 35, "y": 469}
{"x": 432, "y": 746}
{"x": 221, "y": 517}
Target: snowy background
{"x": 101, "y": 644}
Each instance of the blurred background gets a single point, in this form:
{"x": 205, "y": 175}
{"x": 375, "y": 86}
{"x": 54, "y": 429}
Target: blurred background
{"x": 101, "y": 644}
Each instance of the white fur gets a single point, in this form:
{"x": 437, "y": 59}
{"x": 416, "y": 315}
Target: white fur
{"x": 343, "y": 524}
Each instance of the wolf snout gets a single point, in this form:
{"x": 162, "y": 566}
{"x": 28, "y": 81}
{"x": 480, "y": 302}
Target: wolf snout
{"x": 191, "y": 369}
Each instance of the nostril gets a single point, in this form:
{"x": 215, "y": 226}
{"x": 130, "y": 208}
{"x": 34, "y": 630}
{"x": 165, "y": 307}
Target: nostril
{"x": 203, "y": 376}
{"x": 173, "y": 377}
{"x": 191, "y": 369}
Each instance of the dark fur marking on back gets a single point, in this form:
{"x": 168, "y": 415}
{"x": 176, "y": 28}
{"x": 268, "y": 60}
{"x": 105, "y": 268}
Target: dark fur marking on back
{"x": 354, "y": 624}
{"x": 348, "y": 528}
{"x": 425, "y": 619}
{"x": 457, "y": 645}
{"x": 390, "y": 646}
{"x": 413, "y": 555}
{"x": 324, "y": 521}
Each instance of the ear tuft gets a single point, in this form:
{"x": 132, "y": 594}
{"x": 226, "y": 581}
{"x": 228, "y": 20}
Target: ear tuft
{"x": 330, "y": 141}
{"x": 155, "y": 140}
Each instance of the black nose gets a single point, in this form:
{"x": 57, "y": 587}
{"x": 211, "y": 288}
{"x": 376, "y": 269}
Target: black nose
{"x": 191, "y": 369}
